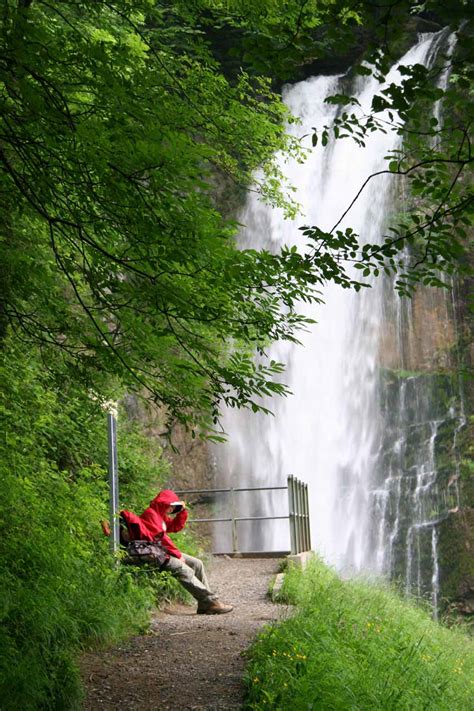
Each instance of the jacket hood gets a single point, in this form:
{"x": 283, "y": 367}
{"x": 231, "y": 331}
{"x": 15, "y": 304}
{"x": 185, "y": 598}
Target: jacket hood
{"x": 166, "y": 498}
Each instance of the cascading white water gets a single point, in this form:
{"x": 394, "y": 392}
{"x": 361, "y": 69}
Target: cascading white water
{"x": 330, "y": 432}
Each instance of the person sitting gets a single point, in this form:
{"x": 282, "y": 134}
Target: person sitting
{"x": 167, "y": 514}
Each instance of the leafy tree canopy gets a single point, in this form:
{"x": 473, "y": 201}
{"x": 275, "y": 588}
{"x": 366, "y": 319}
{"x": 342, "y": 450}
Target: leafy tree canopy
{"x": 434, "y": 121}
{"x": 123, "y": 136}
{"x": 117, "y": 125}
{"x": 432, "y": 110}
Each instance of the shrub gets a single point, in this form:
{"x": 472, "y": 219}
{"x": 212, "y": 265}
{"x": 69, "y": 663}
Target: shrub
{"x": 60, "y": 591}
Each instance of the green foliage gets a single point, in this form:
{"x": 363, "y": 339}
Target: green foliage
{"x": 117, "y": 123}
{"x": 432, "y": 238}
{"x": 59, "y": 588}
{"x": 120, "y": 119}
{"x": 351, "y": 645}
{"x": 121, "y": 122}
{"x": 274, "y": 38}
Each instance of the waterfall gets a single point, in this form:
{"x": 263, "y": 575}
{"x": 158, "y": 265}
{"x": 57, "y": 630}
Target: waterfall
{"x": 346, "y": 428}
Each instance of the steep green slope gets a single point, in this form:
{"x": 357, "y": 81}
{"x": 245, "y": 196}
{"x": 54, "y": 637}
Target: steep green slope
{"x": 60, "y": 591}
{"x": 353, "y": 645}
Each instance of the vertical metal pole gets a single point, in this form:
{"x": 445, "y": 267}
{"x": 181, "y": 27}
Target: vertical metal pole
{"x": 295, "y": 509}
{"x": 308, "y": 526}
{"x": 305, "y": 516}
{"x": 291, "y": 513}
{"x": 234, "y": 522}
{"x": 113, "y": 484}
{"x": 299, "y": 535}
{"x": 302, "y": 518}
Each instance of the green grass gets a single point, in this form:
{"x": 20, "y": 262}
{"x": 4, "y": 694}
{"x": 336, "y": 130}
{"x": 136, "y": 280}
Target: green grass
{"x": 352, "y": 645}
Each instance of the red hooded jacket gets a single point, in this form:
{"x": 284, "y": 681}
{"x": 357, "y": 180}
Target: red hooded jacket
{"x": 154, "y": 523}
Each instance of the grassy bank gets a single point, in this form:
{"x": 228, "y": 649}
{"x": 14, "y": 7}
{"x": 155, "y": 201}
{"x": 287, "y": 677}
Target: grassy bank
{"x": 351, "y": 645}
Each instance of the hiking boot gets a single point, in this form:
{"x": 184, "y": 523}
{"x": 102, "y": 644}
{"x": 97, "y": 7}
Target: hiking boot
{"x": 213, "y": 608}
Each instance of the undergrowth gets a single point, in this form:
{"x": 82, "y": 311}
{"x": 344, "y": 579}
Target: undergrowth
{"x": 353, "y": 645}
{"x": 60, "y": 591}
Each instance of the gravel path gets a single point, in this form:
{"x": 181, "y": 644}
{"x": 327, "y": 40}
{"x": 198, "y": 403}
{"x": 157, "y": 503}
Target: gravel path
{"x": 188, "y": 661}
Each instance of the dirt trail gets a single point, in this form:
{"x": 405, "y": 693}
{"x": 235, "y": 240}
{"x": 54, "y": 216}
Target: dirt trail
{"x": 187, "y": 661}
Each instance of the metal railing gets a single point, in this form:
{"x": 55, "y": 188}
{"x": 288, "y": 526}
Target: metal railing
{"x": 298, "y": 512}
{"x": 298, "y": 507}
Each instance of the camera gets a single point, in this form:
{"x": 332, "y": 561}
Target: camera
{"x": 177, "y": 508}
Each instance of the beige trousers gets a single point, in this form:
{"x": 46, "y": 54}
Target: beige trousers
{"x": 192, "y": 576}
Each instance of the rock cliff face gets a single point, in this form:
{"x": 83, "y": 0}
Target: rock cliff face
{"x": 427, "y": 395}
{"x": 421, "y": 335}
{"x": 191, "y": 464}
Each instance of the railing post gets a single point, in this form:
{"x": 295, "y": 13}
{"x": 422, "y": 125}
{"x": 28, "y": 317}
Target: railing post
{"x": 307, "y": 522}
{"x": 304, "y": 542}
{"x": 299, "y": 517}
{"x": 113, "y": 484}
{"x": 291, "y": 513}
{"x": 234, "y": 522}
{"x": 295, "y": 510}
{"x": 298, "y": 520}
{"x": 303, "y": 517}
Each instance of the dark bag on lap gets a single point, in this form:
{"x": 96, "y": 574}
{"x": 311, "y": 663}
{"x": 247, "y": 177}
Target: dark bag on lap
{"x": 151, "y": 552}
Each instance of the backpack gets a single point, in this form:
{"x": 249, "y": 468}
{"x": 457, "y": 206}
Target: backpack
{"x": 151, "y": 552}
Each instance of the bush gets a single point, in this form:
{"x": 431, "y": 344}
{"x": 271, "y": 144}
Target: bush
{"x": 352, "y": 645}
{"x": 60, "y": 591}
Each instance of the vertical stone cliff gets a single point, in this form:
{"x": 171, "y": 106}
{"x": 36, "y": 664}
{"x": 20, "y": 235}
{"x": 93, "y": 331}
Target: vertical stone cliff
{"x": 427, "y": 405}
